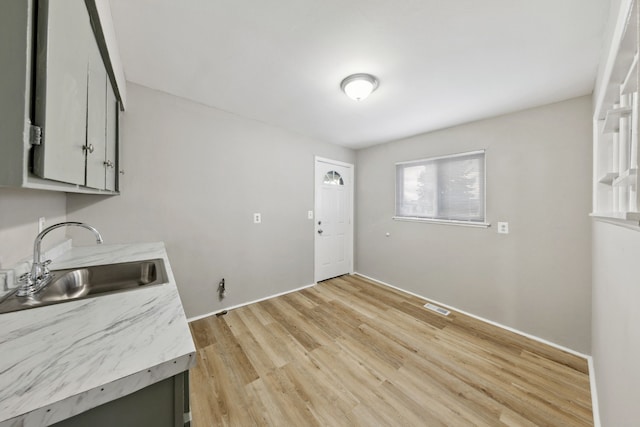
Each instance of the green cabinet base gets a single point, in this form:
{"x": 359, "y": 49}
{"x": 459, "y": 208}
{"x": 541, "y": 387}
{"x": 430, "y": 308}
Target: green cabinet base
{"x": 163, "y": 404}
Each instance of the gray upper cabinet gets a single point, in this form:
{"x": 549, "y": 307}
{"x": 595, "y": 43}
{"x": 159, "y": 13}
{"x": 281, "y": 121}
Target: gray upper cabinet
{"x": 111, "y": 148}
{"x": 62, "y": 66}
{"x": 68, "y": 95}
{"x": 95, "y": 148}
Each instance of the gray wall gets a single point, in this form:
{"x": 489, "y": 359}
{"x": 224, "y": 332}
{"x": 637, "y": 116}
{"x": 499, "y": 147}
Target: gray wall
{"x": 194, "y": 177}
{"x": 19, "y": 213}
{"x": 616, "y": 323}
{"x": 537, "y": 278}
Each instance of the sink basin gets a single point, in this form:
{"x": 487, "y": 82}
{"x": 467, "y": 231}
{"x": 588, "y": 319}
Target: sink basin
{"x": 83, "y": 282}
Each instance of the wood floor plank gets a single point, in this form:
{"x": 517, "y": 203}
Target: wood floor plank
{"x": 511, "y": 419}
{"x": 273, "y": 348}
{"x": 328, "y": 396}
{"x": 232, "y": 353}
{"x": 318, "y": 297}
{"x": 201, "y": 386}
{"x": 288, "y": 322}
{"x": 518, "y": 342}
{"x": 575, "y": 378}
{"x": 235, "y": 323}
{"x": 260, "y": 359}
{"x": 448, "y": 398}
{"x": 298, "y": 301}
{"x": 228, "y": 389}
{"x": 521, "y": 373}
{"x": 291, "y": 403}
{"x": 202, "y": 333}
{"x": 260, "y": 314}
{"x": 300, "y": 320}
{"x": 351, "y": 352}
{"x": 363, "y": 383}
{"x": 473, "y": 369}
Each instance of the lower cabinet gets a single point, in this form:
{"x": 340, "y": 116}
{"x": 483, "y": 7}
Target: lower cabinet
{"x": 163, "y": 404}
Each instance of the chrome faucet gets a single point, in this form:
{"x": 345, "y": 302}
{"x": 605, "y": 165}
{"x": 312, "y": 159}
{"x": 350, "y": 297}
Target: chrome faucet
{"x": 39, "y": 277}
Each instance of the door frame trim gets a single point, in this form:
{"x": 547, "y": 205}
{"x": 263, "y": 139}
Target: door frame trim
{"x": 350, "y": 197}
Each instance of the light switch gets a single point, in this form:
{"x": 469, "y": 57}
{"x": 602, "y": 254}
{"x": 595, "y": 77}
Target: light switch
{"x": 257, "y": 218}
{"x": 309, "y": 214}
{"x": 503, "y": 228}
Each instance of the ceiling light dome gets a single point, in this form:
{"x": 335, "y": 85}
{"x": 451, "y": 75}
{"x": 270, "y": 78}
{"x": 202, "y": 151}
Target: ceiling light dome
{"x": 359, "y": 86}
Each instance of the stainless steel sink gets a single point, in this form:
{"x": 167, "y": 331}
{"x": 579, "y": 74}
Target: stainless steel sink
{"x": 76, "y": 283}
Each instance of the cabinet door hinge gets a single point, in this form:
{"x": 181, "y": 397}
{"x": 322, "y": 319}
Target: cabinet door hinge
{"x": 35, "y": 135}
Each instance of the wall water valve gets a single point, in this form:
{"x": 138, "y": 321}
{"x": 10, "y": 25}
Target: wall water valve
{"x": 221, "y": 290}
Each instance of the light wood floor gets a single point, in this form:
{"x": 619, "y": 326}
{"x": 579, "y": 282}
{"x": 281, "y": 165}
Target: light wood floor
{"x": 349, "y": 352}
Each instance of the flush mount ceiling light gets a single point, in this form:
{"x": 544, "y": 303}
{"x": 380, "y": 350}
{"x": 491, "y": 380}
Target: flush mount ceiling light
{"x": 359, "y": 86}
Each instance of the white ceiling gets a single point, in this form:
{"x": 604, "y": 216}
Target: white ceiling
{"x": 439, "y": 62}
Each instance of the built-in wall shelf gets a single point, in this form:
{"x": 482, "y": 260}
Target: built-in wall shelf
{"x": 626, "y": 178}
{"x": 612, "y": 119}
{"x": 632, "y": 224}
{"x": 630, "y": 84}
{"x": 608, "y": 178}
{"x": 624, "y": 216}
{"x": 616, "y": 126}
{"x": 625, "y": 47}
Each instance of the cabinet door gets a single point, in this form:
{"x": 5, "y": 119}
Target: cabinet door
{"x": 112, "y": 163}
{"x": 96, "y": 119}
{"x": 163, "y": 404}
{"x": 64, "y": 33}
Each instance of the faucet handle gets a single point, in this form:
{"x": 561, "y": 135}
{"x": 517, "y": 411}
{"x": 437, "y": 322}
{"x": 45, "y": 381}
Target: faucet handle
{"x": 45, "y": 270}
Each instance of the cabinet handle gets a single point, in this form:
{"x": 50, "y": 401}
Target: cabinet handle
{"x": 109, "y": 164}
{"x": 121, "y": 171}
{"x": 89, "y": 148}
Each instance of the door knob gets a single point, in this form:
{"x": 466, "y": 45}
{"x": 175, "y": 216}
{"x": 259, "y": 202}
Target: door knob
{"x": 319, "y": 231}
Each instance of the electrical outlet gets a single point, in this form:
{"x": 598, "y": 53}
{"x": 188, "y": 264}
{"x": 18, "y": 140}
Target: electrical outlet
{"x": 503, "y": 228}
{"x": 40, "y": 224}
{"x": 257, "y": 218}
{"x": 309, "y": 214}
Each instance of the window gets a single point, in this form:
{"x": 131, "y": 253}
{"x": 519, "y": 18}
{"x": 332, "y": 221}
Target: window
{"x": 443, "y": 189}
{"x": 333, "y": 178}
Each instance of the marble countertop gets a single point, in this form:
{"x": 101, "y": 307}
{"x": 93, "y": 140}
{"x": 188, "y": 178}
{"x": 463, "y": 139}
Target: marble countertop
{"x": 60, "y": 360}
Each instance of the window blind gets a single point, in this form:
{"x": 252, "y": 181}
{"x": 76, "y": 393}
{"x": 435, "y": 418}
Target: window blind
{"x": 443, "y": 188}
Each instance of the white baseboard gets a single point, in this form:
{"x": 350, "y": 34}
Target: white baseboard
{"x": 594, "y": 393}
{"x": 202, "y": 316}
{"x": 482, "y": 319}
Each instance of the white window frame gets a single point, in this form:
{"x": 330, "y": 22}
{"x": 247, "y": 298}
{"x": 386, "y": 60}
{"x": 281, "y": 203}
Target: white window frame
{"x": 469, "y": 223}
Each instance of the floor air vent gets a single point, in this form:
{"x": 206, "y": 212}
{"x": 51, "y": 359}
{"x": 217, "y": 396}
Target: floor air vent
{"x": 437, "y": 309}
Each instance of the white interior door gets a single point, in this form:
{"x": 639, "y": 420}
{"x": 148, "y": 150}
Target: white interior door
{"x": 333, "y": 219}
